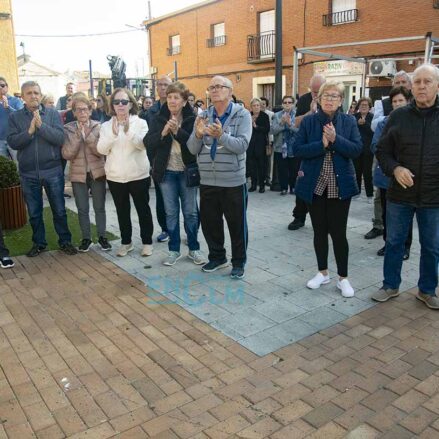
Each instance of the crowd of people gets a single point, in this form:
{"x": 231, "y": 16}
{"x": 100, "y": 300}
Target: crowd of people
{"x": 204, "y": 161}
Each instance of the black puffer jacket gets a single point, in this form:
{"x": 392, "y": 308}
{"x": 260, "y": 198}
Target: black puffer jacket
{"x": 159, "y": 149}
{"x": 411, "y": 139}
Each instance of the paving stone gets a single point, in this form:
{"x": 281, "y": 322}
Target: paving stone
{"x": 322, "y": 414}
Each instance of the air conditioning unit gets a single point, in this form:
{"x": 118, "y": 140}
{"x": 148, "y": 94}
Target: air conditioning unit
{"x": 382, "y": 68}
{"x": 152, "y": 70}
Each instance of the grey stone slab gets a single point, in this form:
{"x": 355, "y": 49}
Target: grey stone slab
{"x": 279, "y": 310}
{"x": 291, "y": 330}
{"x": 262, "y": 343}
{"x": 309, "y": 299}
{"x": 322, "y": 317}
{"x": 350, "y": 306}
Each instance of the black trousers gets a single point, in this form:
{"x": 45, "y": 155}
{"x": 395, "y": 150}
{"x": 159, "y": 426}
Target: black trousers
{"x": 363, "y": 169}
{"x": 287, "y": 169}
{"x": 408, "y": 242}
{"x": 139, "y": 191}
{"x": 160, "y": 207}
{"x": 4, "y": 252}
{"x": 230, "y": 202}
{"x": 329, "y": 216}
{"x": 257, "y": 169}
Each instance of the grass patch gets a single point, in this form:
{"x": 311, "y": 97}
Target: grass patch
{"x": 19, "y": 241}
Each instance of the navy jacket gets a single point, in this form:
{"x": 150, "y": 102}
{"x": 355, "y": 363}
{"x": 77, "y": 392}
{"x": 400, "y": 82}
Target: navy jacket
{"x": 38, "y": 155}
{"x": 309, "y": 147}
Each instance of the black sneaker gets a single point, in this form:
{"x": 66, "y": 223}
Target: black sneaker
{"x": 214, "y": 265}
{"x": 237, "y": 273}
{"x": 35, "y": 250}
{"x": 261, "y": 189}
{"x": 373, "y": 233}
{"x": 85, "y": 245}
{"x": 103, "y": 242}
{"x": 6, "y": 262}
{"x": 68, "y": 249}
{"x": 296, "y": 224}
{"x": 252, "y": 189}
{"x": 381, "y": 251}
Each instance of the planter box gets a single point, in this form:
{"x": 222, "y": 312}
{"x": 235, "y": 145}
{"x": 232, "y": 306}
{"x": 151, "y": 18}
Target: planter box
{"x": 12, "y": 208}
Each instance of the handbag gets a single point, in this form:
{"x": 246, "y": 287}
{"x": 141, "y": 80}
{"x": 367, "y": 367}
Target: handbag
{"x": 192, "y": 174}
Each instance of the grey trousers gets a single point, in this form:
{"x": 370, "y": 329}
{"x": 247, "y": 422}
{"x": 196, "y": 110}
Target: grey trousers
{"x": 377, "y": 220}
{"x": 98, "y": 192}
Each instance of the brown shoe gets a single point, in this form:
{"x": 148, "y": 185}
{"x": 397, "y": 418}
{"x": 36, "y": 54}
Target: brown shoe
{"x": 431, "y": 301}
{"x": 384, "y": 294}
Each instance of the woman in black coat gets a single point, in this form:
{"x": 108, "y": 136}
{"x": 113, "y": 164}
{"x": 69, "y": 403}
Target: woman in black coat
{"x": 170, "y": 158}
{"x": 363, "y": 164}
{"x": 257, "y": 149}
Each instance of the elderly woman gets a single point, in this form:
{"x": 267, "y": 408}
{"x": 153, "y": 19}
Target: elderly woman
{"x": 102, "y": 110}
{"x": 327, "y": 142}
{"x": 257, "y": 149}
{"x": 127, "y": 168}
{"x": 48, "y": 101}
{"x": 363, "y": 164}
{"x": 166, "y": 142}
{"x": 86, "y": 171}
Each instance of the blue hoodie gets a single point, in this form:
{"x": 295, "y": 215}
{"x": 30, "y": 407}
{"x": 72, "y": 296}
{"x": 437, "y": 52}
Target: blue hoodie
{"x": 14, "y": 105}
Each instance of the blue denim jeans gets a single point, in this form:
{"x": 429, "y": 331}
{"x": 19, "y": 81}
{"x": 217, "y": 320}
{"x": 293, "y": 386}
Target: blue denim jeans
{"x": 174, "y": 190}
{"x": 6, "y": 151}
{"x": 33, "y": 195}
{"x": 399, "y": 219}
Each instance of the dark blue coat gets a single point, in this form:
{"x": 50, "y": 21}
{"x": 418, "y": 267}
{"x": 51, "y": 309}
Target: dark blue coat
{"x": 309, "y": 147}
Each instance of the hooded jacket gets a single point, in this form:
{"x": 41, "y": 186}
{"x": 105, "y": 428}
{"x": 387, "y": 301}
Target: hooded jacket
{"x": 228, "y": 168}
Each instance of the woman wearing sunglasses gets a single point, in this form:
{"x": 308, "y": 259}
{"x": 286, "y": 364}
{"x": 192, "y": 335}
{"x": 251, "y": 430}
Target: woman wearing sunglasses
{"x": 127, "y": 168}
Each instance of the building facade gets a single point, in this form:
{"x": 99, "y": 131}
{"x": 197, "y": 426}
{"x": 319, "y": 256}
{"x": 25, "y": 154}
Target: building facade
{"x": 236, "y": 38}
{"x": 8, "y": 57}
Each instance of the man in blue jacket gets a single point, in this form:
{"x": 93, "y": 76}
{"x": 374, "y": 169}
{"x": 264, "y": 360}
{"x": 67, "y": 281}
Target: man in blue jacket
{"x": 37, "y": 134}
{"x": 8, "y": 104}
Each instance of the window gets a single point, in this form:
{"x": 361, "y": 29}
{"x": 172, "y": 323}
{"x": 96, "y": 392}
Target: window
{"x": 342, "y": 11}
{"x": 267, "y": 30}
{"x": 219, "y": 34}
{"x": 175, "y": 47}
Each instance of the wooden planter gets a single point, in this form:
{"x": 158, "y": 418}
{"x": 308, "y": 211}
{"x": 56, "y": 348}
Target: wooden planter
{"x": 12, "y": 208}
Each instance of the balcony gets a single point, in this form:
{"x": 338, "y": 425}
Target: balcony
{"x": 436, "y": 4}
{"x": 341, "y": 17}
{"x": 175, "y": 50}
{"x": 216, "y": 41}
{"x": 261, "y": 47}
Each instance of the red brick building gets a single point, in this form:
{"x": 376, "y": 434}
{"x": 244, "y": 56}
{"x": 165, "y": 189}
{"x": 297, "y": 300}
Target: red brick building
{"x": 235, "y": 38}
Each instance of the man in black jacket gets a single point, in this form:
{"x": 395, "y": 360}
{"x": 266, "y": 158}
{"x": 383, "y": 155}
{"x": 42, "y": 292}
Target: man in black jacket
{"x": 408, "y": 152}
{"x": 307, "y": 104}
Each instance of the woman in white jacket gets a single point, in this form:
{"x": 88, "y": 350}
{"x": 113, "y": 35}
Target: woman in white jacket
{"x": 127, "y": 168}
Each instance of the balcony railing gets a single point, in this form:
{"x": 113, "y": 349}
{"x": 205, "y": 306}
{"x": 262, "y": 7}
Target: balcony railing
{"x": 175, "y": 50}
{"x": 216, "y": 41}
{"x": 436, "y": 4}
{"x": 341, "y": 17}
{"x": 261, "y": 47}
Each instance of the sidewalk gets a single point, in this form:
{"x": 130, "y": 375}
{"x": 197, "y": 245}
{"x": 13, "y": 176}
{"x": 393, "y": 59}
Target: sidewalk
{"x": 86, "y": 352}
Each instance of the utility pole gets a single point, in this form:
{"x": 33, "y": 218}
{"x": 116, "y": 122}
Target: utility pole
{"x": 91, "y": 79}
{"x": 278, "y": 52}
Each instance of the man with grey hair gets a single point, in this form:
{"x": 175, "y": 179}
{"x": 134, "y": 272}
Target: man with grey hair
{"x": 36, "y": 132}
{"x": 381, "y": 110}
{"x": 408, "y": 152}
{"x": 220, "y": 139}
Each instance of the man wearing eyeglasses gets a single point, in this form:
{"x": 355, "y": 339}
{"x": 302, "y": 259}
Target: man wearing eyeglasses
{"x": 220, "y": 139}
{"x": 37, "y": 134}
{"x": 8, "y": 104}
{"x": 161, "y": 87}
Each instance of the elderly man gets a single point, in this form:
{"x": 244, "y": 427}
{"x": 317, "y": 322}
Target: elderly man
{"x": 220, "y": 138}
{"x": 37, "y": 134}
{"x": 408, "y": 152}
{"x": 61, "y": 105}
{"x": 381, "y": 110}
{"x": 307, "y": 104}
{"x": 8, "y": 104}
{"x": 154, "y": 110}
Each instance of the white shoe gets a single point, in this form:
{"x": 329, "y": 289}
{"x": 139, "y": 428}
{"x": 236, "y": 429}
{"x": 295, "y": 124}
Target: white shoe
{"x": 172, "y": 258}
{"x": 124, "y": 249}
{"x": 345, "y": 287}
{"x": 317, "y": 280}
{"x": 146, "y": 250}
{"x": 196, "y": 256}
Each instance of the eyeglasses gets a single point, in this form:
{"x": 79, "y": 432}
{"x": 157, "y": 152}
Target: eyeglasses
{"x": 329, "y": 97}
{"x": 287, "y": 102}
{"x": 3, "y": 85}
{"x": 81, "y": 110}
{"x": 121, "y": 101}
{"x": 216, "y": 87}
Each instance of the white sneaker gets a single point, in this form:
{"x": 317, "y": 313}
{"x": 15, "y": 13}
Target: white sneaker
{"x": 172, "y": 258}
{"x": 345, "y": 287}
{"x": 196, "y": 256}
{"x": 146, "y": 250}
{"x": 317, "y": 280}
{"x": 124, "y": 249}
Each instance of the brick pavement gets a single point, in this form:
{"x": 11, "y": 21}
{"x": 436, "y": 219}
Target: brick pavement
{"x": 86, "y": 353}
